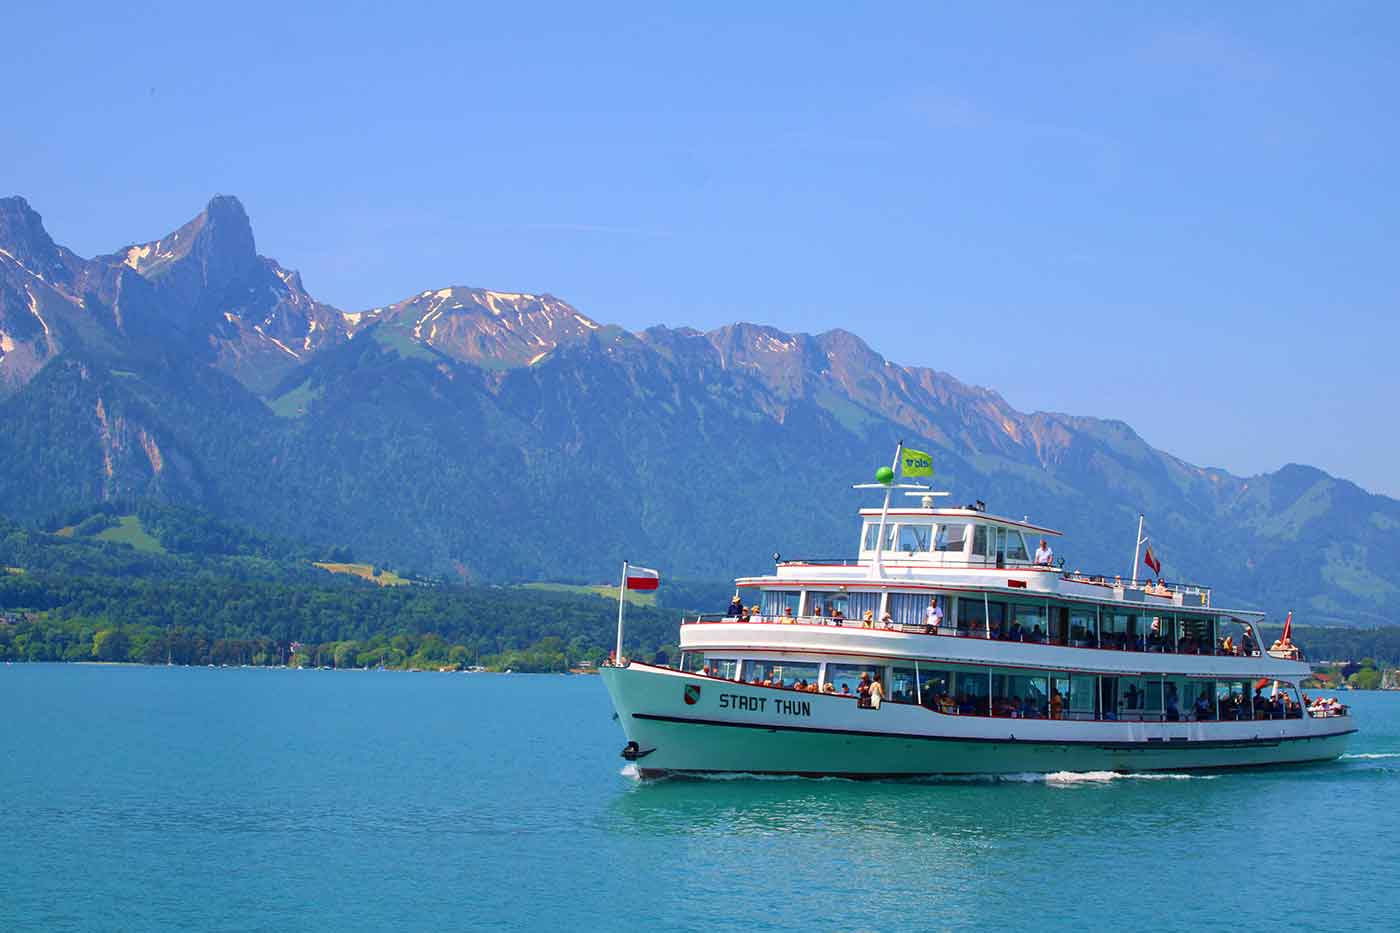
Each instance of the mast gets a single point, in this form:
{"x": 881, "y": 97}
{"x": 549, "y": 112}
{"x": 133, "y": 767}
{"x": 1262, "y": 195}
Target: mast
{"x": 621, "y": 604}
{"x": 875, "y": 569}
{"x": 1137, "y": 548}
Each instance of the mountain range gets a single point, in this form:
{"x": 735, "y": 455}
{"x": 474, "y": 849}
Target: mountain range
{"x": 501, "y": 436}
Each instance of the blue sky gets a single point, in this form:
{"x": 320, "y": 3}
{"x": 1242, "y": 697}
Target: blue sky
{"x": 1184, "y": 216}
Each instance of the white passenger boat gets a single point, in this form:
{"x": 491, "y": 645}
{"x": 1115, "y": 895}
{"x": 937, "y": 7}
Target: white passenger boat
{"x": 986, "y": 662}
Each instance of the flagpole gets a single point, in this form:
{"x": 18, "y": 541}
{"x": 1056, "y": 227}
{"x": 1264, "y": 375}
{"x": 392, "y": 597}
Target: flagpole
{"x": 1137, "y": 549}
{"x": 621, "y": 604}
{"x": 876, "y": 570}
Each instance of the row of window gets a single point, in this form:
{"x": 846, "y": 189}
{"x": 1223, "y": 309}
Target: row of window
{"x": 921, "y": 537}
{"x": 1083, "y": 626}
{"x": 989, "y": 691}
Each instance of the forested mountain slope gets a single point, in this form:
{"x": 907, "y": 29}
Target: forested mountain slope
{"x": 507, "y": 436}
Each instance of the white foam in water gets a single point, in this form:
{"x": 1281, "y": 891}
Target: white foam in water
{"x": 1368, "y": 756}
{"x": 629, "y": 770}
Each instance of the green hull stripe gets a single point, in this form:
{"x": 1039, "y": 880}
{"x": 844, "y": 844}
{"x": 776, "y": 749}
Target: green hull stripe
{"x": 905, "y": 736}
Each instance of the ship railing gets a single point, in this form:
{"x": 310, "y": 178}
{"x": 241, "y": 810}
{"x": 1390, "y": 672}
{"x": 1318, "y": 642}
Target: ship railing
{"x": 940, "y": 560}
{"x": 1107, "y": 642}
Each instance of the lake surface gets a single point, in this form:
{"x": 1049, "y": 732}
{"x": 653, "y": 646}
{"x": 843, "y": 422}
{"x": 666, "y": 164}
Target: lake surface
{"x": 145, "y": 798}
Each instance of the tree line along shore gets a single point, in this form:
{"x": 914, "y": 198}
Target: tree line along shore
{"x": 155, "y": 584}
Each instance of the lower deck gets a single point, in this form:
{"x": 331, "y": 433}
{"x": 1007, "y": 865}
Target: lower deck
{"x": 683, "y": 722}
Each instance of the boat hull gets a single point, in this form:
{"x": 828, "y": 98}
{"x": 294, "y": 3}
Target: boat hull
{"x": 688, "y": 724}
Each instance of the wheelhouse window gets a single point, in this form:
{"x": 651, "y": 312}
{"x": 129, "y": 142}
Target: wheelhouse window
{"x": 1015, "y": 547}
{"x": 872, "y": 534}
{"x": 914, "y": 538}
{"x": 981, "y": 543}
{"x": 951, "y": 538}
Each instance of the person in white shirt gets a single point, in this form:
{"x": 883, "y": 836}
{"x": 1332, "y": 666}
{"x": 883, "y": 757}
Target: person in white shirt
{"x": 933, "y": 616}
{"x": 1043, "y": 555}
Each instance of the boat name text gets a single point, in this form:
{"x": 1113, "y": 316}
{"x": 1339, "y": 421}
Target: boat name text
{"x": 760, "y": 704}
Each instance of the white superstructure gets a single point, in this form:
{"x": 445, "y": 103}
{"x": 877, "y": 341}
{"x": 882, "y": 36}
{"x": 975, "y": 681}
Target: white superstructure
{"x": 987, "y": 662}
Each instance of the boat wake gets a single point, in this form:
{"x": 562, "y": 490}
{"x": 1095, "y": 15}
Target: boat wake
{"x": 1050, "y": 779}
{"x": 1369, "y": 756}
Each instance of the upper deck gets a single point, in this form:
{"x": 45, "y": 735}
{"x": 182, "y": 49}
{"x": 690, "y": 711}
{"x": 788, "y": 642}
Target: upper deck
{"x": 969, "y": 550}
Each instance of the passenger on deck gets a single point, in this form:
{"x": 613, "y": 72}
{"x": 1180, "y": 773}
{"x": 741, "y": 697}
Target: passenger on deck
{"x": 787, "y": 614}
{"x": 1154, "y": 636}
{"x": 736, "y": 606}
{"x": 1202, "y": 709}
{"x": 1173, "y": 704}
{"x": 838, "y": 617}
{"x": 886, "y": 620}
{"x": 743, "y": 614}
{"x": 1133, "y": 697}
{"x": 1037, "y": 635}
{"x": 868, "y": 620}
{"x": 1044, "y": 556}
{"x": 863, "y": 691}
{"x": 1247, "y": 642}
{"x": 933, "y": 615}
{"x": 877, "y": 694}
{"x": 1227, "y": 645}
{"x": 828, "y": 688}
{"x": 845, "y": 690}
{"x": 1017, "y": 633}
{"x": 1057, "y": 703}
{"x": 817, "y": 611}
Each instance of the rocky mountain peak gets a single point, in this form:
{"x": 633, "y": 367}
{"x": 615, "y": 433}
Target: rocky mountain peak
{"x": 25, "y": 241}
{"x": 217, "y": 246}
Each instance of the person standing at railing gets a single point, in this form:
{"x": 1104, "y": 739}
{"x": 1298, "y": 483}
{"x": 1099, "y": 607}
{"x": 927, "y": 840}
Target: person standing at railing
{"x": 1043, "y": 554}
{"x": 736, "y": 606}
{"x": 933, "y": 616}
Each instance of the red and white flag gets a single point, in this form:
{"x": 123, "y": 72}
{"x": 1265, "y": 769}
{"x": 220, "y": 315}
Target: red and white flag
{"x": 642, "y": 578}
{"x": 1151, "y": 560}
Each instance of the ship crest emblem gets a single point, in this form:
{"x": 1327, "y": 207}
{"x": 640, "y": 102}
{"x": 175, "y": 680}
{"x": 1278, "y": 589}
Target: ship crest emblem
{"x": 692, "y": 694}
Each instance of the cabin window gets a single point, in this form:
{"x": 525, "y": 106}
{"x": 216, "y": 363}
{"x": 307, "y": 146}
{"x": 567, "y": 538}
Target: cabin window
{"x": 950, "y": 538}
{"x": 776, "y": 602}
{"x": 845, "y": 678}
{"x": 858, "y": 604}
{"x": 903, "y": 685}
{"x": 872, "y": 533}
{"x": 914, "y": 538}
{"x": 828, "y": 602}
{"x": 1083, "y": 627}
{"x": 1081, "y": 696}
{"x": 973, "y": 616}
{"x": 783, "y": 673}
{"x": 728, "y": 668}
{"x": 908, "y": 608}
{"x": 1197, "y": 700}
{"x": 1020, "y": 696}
{"x": 936, "y": 689}
{"x": 981, "y": 547}
{"x": 1031, "y": 618}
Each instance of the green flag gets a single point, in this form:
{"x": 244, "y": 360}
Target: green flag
{"x": 915, "y": 463}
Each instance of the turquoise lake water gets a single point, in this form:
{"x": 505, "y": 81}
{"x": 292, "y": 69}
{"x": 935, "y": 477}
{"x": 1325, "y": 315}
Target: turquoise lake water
{"x": 148, "y": 798}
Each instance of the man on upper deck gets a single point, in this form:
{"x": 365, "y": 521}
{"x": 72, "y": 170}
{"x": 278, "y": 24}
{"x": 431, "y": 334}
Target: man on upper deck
{"x": 1043, "y": 554}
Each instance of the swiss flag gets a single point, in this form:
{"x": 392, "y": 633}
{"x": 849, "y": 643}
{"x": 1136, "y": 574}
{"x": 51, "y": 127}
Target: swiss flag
{"x": 642, "y": 578}
{"x": 1151, "y": 560}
